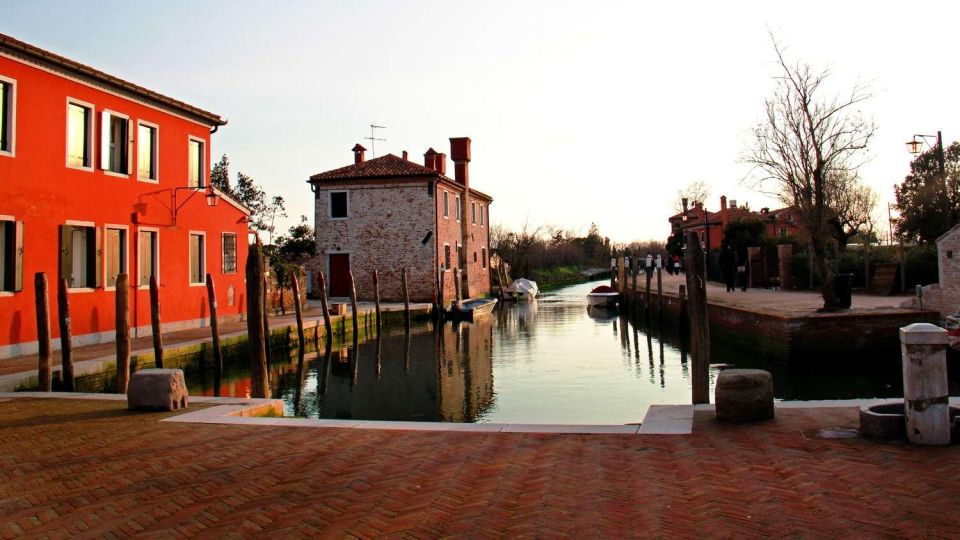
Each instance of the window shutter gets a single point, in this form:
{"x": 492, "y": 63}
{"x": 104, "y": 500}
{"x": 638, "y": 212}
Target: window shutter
{"x": 66, "y": 254}
{"x": 104, "y": 140}
{"x": 98, "y": 258}
{"x": 130, "y": 146}
{"x": 18, "y": 258}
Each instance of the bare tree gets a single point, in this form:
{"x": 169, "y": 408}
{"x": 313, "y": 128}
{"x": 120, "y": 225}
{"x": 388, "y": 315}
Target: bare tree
{"x": 696, "y": 193}
{"x": 803, "y": 139}
{"x": 852, "y": 205}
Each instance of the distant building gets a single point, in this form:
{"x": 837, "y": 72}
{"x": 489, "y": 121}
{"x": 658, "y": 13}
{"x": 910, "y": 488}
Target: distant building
{"x": 778, "y": 224}
{"x": 388, "y": 213}
{"x": 98, "y": 177}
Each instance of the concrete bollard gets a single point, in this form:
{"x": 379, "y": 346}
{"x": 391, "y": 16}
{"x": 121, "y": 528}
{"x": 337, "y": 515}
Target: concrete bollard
{"x": 925, "y": 392}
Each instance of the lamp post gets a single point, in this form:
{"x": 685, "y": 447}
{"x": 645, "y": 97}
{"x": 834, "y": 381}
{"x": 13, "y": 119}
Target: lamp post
{"x": 914, "y": 146}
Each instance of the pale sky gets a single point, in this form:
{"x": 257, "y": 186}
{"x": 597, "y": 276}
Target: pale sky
{"x": 579, "y": 112}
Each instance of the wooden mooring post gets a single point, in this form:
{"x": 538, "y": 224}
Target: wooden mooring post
{"x": 646, "y": 296}
{"x": 659, "y": 290}
{"x": 699, "y": 323}
{"x": 322, "y": 287}
{"x": 456, "y": 285}
{"x": 265, "y": 314}
{"x": 353, "y": 305}
{"x": 122, "y": 293}
{"x": 298, "y": 310}
{"x": 376, "y": 298}
{"x": 406, "y": 297}
{"x": 66, "y": 335}
{"x": 633, "y": 268}
{"x": 215, "y": 336}
{"x": 42, "y": 299}
{"x": 155, "y": 322}
{"x": 259, "y": 387}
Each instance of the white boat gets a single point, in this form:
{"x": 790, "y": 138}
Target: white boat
{"x": 603, "y": 296}
{"x": 522, "y": 289}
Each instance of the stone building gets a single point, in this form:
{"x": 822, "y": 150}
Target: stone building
{"x": 945, "y": 295}
{"x": 388, "y": 213}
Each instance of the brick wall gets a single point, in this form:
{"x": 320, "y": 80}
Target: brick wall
{"x": 385, "y": 229}
{"x": 948, "y": 262}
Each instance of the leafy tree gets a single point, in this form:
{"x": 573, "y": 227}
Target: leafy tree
{"x": 929, "y": 206}
{"x": 804, "y": 138}
{"x": 220, "y": 176}
{"x": 299, "y": 245}
{"x": 743, "y": 233}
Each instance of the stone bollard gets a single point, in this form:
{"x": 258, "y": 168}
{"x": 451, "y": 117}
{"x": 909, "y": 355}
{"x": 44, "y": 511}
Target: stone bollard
{"x": 925, "y": 392}
{"x": 785, "y": 266}
{"x": 744, "y": 395}
{"x": 157, "y": 390}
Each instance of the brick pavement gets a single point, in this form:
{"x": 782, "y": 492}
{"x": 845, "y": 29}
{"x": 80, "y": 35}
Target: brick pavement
{"x": 90, "y": 468}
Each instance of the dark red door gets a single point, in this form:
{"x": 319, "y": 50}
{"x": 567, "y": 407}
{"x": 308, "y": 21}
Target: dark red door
{"x": 339, "y": 274}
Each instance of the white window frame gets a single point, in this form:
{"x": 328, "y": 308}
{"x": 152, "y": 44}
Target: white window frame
{"x": 473, "y": 213}
{"x": 126, "y": 251}
{"x": 482, "y": 211}
{"x": 91, "y": 225}
{"x": 203, "y": 257}
{"x": 91, "y": 132}
{"x": 156, "y": 152}
{"x": 12, "y": 135}
{"x": 458, "y": 202}
{"x": 203, "y": 180}
{"x": 156, "y": 257}
{"x": 330, "y": 204}
{"x": 446, "y": 204}
{"x": 236, "y": 256}
{"x": 104, "y": 138}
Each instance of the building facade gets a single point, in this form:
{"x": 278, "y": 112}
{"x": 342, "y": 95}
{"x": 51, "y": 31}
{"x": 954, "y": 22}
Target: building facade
{"x": 709, "y": 226}
{"x": 388, "y": 213}
{"x": 99, "y": 177}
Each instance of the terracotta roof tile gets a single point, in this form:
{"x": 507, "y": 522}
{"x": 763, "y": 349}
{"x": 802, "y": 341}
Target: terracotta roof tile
{"x": 388, "y": 166}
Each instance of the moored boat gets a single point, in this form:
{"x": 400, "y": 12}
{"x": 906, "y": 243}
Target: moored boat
{"x": 471, "y": 309}
{"x": 603, "y": 296}
{"x": 521, "y": 289}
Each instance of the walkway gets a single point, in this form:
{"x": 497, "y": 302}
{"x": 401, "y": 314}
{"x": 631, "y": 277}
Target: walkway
{"x": 91, "y": 468}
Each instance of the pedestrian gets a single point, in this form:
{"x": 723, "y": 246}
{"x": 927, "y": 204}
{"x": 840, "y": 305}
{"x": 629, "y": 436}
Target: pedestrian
{"x": 743, "y": 269}
{"x": 676, "y": 264}
{"x": 659, "y": 261}
{"x": 727, "y": 265}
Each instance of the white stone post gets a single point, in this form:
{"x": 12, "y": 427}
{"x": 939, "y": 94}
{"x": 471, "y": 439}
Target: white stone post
{"x": 925, "y": 393}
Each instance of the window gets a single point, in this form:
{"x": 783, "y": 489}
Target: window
{"x": 481, "y": 215}
{"x": 446, "y": 256}
{"x": 11, "y": 255}
{"x": 114, "y": 254}
{"x": 446, "y": 204}
{"x": 459, "y": 210}
{"x": 195, "y": 176}
{"x": 79, "y": 134}
{"x": 7, "y": 115}
{"x": 474, "y": 256}
{"x": 461, "y": 261}
{"x": 783, "y": 232}
{"x": 230, "y": 253}
{"x": 147, "y": 152}
{"x": 483, "y": 257}
{"x": 148, "y": 249}
{"x": 198, "y": 269}
{"x": 339, "y": 205}
{"x": 115, "y": 143}
{"x": 80, "y": 263}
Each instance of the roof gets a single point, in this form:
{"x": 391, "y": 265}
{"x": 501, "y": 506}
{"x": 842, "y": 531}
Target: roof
{"x": 30, "y": 53}
{"x": 388, "y": 167}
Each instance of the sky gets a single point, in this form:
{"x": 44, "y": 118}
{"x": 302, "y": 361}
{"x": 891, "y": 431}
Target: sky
{"x": 579, "y": 112}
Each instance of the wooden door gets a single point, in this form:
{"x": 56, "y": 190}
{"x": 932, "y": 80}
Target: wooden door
{"x": 339, "y": 274}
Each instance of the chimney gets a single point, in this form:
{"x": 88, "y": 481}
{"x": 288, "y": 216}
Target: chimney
{"x": 358, "y": 153}
{"x": 724, "y": 219}
{"x": 733, "y": 203}
{"x": 460, "y": 154}
{"x": 430, "y": 159}
{"x": 405, "y": 158}
{"x": 441, "y": 163}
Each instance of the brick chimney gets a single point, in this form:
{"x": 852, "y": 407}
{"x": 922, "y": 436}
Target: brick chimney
{"x": 405, "y": 156}
{"x": 358, "y": 153}
{"x": 724, "y": 215}
{"x": 460, "y": 154}
{"x": 430, "y": 159}
{"x": 441, "y": 160}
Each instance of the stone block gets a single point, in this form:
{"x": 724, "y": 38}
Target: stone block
{"x": 744, "y": 395}
{"x": 157, "y": 390}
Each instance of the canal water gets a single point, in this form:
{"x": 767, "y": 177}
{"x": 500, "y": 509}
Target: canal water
{"x": 550, "y": 361}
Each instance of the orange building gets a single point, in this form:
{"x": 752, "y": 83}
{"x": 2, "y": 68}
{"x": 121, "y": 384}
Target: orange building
{"x": 98, "y": 177}
{"x": 778, "y": 224}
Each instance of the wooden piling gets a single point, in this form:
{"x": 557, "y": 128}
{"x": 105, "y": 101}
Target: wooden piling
{"x": 259, "y": 387}
{"x": 155, "y": 322}
{"x": 699, "y": 322}
{"x": 456, "y": 285}
{"x": 215, "y": 333}
{"x": 353, "y": 305}
{"x": 298, "y": 310}
{"x": 376, "y": 298}
{"x": 646, "y": 296}
{"x": 659, "y": 290}
{"x": 634, "y": 270}
{"x": 66, "y": 337}
{"x": 322, "y": 287}
{"x": 440, "y": 298}
{"x": 42, "y": 300}
{"x": 266, "y": 311}
{"x": 406, "y": 297}
{"x": 122, "y": 295}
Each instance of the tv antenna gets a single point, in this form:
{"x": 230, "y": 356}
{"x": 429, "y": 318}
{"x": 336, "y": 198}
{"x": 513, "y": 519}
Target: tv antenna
{"x": 373, "y": 139}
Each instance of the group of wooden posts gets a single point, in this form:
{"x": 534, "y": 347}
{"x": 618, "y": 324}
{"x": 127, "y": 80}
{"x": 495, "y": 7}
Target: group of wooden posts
{"x": 693, "y": 312}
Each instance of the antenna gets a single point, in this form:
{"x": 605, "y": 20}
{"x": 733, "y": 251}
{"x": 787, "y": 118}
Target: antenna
{"x": 373, "y": 139}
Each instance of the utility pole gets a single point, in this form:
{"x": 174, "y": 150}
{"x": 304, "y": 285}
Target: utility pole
{"x": 373, "y": 139}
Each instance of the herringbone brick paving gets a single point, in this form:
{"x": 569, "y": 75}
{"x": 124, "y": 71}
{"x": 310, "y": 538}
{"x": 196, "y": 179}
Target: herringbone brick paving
{"x": 89, "y": 468}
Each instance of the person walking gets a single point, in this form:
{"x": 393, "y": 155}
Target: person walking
{"x": 743, "y": 268}
{"x": 727, "y": 266}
